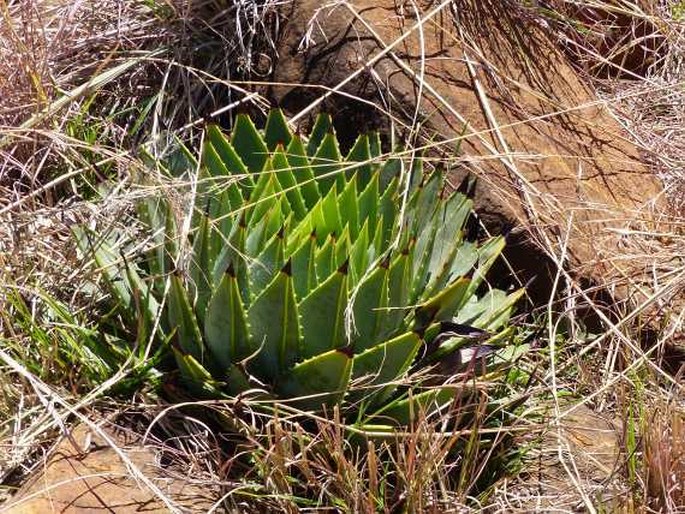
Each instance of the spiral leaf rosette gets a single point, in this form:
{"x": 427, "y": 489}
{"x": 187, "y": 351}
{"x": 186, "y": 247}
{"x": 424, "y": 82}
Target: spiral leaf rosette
{"x": 317, "y": 278}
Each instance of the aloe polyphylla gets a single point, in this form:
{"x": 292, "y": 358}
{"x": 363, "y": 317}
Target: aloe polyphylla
{"x": 308, "y": 274}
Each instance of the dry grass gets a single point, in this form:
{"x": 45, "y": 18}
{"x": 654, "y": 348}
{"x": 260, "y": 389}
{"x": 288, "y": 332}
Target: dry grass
{"x": 146, "y": 72}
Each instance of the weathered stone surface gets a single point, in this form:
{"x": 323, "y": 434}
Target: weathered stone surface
{"x": 610, "y": 42}
{"x": 97, "y": 480}
{"x": 577, "y": 461}
{"x": 548, "y": 155}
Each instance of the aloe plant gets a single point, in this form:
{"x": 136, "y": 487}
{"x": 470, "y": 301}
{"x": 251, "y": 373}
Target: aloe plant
{"x": 303, "y": 275}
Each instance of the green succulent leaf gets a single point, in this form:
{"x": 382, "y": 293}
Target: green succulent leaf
{"x": 275, "y": 328}
{"x": 370, "y": 309}
{"x": 322, "y": 126}
{"x": 487, "y": 255}
{"x": 288, "y": 183}
{"x": 465, "y": 260}
{"x": 348, "y": 207}
{"x": 410, "y": 408}
{"x": 382, "y": 365}
{"x": 368, "y": 204}
{"x": 342, "y": 248}
{"x": 222, "y": 193}
{"x": 301, "y": 274}
{"x": 423, "y": 202}
{"x": 229, "y": 157}
{"x": 388, "y": 210}
{"x": 276, "y": 131}
{"x": 325, "y": 260}
{"x": 182, "y": 320}
{"x": 398, "y": 292}
{"x": 360, "y": 153}
{"x": 490, "y": 312}
{"x": 452, "y": 213}
{"x": 304, "y": 267}
{"x": 264, "y": 267}
{"x": 263, "y": 229}
{"x": 359, "y": 254}
{"x": 153, "y": 212}
{"x": 375, "y": 145}
{"x": 299, "y": 163}
{"x": 201, "y": 267}
{"x": 323, "y": 315}
{"x": 232, "y": 255}
{"x": 331, "y": 213}
{"x": 226, "y": 330}
{"x": 444, "y": 305}
{"x": 196, "y": 377}
{"x": 321, "y": 380}
{"x": 248, "y": 144}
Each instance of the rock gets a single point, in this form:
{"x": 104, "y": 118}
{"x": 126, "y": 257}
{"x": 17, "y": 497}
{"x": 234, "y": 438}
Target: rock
{"x": 548, "y": 155}
{"x": 97, "y": 480}
{"x": 610, "y": 42}
{"x": 574, "y": 462}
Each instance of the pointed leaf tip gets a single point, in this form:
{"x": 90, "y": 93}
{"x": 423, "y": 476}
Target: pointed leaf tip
{"x": 288, "y": 267}
{"x": 346, "y": 350}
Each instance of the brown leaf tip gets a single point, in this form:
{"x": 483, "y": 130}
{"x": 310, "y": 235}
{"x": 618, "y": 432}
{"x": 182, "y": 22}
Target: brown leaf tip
{"x": 347, "y": 350}
{"x": 344, "y": 267}
{"x": 288, "y": 268}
